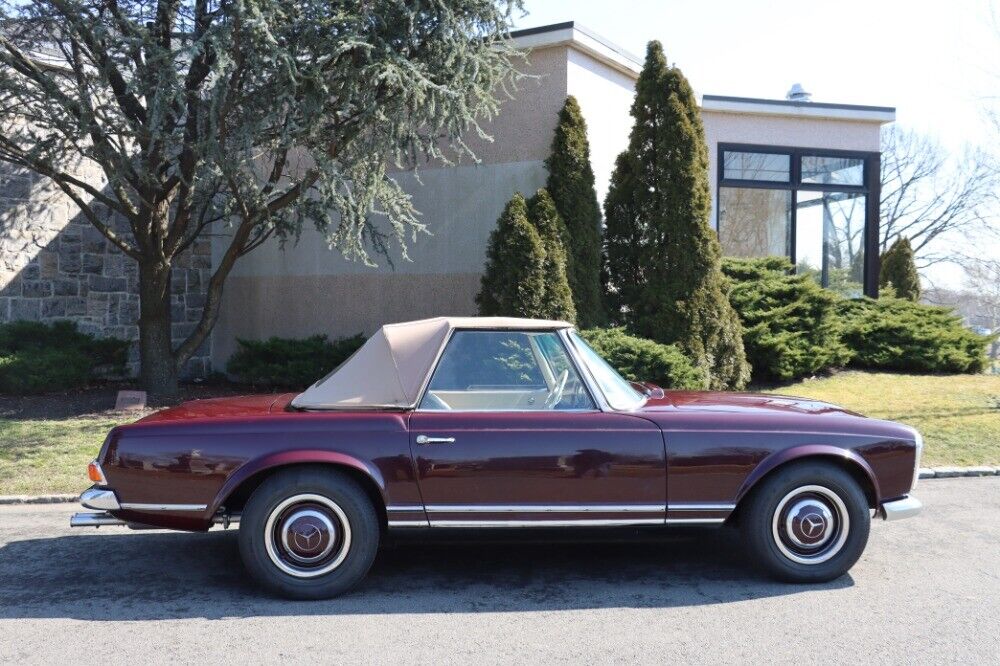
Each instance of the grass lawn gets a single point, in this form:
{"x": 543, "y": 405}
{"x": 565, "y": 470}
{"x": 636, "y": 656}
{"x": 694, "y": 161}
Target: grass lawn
{"x": 958, "y": 415}
{"x": 49, "y": 456}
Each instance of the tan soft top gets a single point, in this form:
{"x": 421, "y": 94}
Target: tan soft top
{"x": 389, "y": 370}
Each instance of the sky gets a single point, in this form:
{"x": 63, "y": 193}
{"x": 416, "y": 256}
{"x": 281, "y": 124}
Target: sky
{"x": 937, "y": 63}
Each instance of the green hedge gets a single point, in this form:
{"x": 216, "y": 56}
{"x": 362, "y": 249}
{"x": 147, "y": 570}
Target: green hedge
{"x": 897, "y": 334}
{"x": 289, "y": 362}
{"x": 639, "y": 359}
{"x": 37, "y": 357}
{"x": 791, "y": 326}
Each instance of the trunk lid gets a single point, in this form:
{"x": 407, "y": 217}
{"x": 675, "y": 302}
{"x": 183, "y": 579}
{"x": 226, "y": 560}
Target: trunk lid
{"x": 231, "y": 407}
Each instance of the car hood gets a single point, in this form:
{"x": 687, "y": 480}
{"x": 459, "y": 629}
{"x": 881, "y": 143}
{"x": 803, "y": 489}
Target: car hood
{"x": 212, "y": 408}
{"x": 741, "y": 403}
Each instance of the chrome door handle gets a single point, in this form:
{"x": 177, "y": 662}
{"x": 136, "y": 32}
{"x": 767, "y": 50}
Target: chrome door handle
{"x": 424, "y": 439}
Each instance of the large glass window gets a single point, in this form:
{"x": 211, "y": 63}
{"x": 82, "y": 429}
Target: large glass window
{"x": 757, "y": 166}
{"x": 833, "y": 170}
{"x": 803, "y": 204}
{"x": 755, "y": 222}
{"x": 829, "y": 242}
{"x": 505, "y": 370}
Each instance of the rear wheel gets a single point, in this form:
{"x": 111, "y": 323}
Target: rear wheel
{"x": 309, "y": 533}
{"x": 807, "y": 523}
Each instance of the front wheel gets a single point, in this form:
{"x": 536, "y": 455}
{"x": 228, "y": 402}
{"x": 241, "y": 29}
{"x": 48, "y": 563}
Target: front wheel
{"x": 807, "y": 523}
{"x": 308, "y": 533}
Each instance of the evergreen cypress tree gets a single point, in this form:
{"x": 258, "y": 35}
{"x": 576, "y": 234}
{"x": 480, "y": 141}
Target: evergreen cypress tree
{"x": 557, "y": 302}
{"x": 513, "y": 284}
{"x": 900, "y": 271}
{"x": 571, "y": 186}
{"x": 663, "y": 258}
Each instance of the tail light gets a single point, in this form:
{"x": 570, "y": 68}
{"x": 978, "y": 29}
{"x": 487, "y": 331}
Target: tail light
{"x": 96, "y": 474}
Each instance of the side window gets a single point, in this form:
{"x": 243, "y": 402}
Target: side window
{"x": 505, "y": 370}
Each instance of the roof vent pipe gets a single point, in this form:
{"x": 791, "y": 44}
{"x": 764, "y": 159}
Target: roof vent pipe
{"x": 798, "y": 94}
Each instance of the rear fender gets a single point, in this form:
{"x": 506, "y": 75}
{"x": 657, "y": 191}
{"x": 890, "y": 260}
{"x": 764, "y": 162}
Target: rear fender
{"x": 299, "y": 457}
{"x": 812, "y": 451}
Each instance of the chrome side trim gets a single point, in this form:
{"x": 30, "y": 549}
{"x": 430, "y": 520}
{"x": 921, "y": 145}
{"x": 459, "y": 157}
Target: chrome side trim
{"x": 408, "y": 523}
{"x": 132, "y": 506}
{"x": 907, "y": 507}
{"x": 585, "y": 522}
{"x": 695, "y": 521}
{"x": 98, "y": 498}
{"x": 405, "y": 508}
{"x": 700, "y": 507}
{"x": 546, "y": 508}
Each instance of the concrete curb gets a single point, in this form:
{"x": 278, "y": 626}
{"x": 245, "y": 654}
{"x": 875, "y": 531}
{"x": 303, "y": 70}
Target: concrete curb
{"x": 956, "y": 472}
{"x": 925, "y": 473}
{"x": 37, "y": 499}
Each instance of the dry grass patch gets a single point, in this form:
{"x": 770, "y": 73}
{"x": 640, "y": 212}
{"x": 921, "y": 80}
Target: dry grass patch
{"x": 959, "y": 415}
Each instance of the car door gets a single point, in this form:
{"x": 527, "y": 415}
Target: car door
{"x": 508, "y": 435}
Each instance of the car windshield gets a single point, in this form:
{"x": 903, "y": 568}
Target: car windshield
{"x": 619, "y": 393}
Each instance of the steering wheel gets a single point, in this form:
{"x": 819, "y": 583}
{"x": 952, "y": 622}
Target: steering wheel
{"x": 557, "y": 393}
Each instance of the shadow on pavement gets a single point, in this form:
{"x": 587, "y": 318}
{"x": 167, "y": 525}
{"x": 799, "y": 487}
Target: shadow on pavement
{"x": 144, "y": 576}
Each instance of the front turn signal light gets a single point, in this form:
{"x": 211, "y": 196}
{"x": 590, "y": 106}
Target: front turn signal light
{"x": 95, "y": 473}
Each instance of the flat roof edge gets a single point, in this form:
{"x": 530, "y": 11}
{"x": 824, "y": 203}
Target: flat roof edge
{"x": 782, "y": 107}
{"x": 583, "y": 39}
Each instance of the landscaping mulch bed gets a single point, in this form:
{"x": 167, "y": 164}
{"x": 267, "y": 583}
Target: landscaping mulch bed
{"x": 98, "y": 400}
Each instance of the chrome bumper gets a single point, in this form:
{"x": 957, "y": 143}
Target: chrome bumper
{"x": 99, "y": 498}
{"x": 907, "y": 507}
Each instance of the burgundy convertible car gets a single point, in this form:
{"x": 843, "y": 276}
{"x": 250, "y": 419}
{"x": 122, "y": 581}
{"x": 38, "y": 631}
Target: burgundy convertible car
{"x": 500, "y": 423}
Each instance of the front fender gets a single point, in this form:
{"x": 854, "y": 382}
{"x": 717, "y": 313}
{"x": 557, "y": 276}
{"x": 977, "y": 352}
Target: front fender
{"x": 298, "y": 457}
{"x": 779, "y": 458}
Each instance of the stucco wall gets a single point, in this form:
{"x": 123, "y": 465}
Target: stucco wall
{"x": 605, "y": 96}
{"x": 721, "y": 127}
{"x": 522, "y": 130}
{"x": 306, "y": 288}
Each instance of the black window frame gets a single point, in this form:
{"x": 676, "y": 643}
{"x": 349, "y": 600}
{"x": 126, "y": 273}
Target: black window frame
{"x": 871, "y": 188}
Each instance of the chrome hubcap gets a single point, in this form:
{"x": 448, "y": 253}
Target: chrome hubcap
{"x": 307, "y": 535}
{"x": 810, "y": 524}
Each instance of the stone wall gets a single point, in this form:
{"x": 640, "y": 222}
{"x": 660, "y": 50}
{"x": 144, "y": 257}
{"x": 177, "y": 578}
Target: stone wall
{"x": 55, "y": 265}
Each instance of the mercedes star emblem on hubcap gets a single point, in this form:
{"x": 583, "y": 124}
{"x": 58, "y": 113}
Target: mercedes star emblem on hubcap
{"x": 307, "y": 537}
{"x": 813, "y": 525}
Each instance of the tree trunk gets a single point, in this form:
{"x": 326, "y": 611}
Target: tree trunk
{"x": 158, "y": 369}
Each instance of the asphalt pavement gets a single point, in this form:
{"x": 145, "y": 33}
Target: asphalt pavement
{"x": 926, "y": 590}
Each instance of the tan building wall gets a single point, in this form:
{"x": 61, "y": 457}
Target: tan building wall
{"x": 305, "y": 288}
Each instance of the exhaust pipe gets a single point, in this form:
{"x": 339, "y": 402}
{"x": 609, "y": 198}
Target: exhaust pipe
{"x": 88, "y": 519}
{"x": 102, "y": 518}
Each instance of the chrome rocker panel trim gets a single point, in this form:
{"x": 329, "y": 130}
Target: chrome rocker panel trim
{"x": 545, "y": 508}
{"x": 907, "y": 507}
{"x": 107, "y": 500}
{"x": 474, "y": 522}
{"x": 131, "y": 506}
